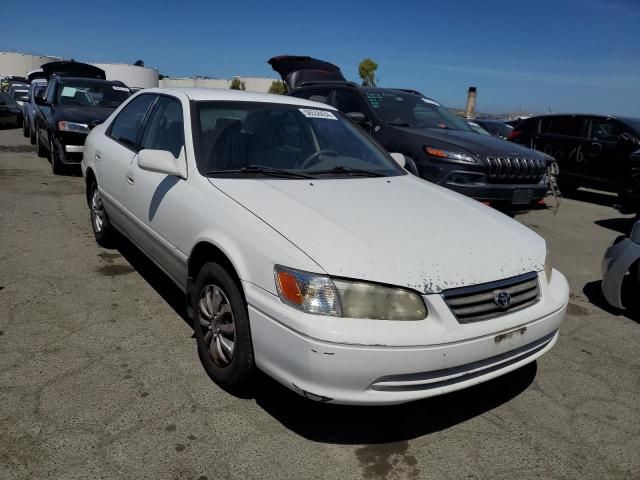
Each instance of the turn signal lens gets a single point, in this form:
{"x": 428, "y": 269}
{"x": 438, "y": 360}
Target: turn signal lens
{"x": 288, "y": 287}
{"x": 308, "y": 292}
{"x": 436, "y": 152}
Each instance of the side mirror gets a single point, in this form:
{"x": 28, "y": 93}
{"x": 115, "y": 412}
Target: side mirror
{"x": 399, "y": 159}
{"x": 41, "y": 101}
{"x": 358, "y": 117}
{"x": 161, "y": 161}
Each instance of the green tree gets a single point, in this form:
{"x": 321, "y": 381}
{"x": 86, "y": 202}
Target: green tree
{"x": 367, "y": 70}
{"x": 237, "y": 84}
{"x": 278, "y": 87}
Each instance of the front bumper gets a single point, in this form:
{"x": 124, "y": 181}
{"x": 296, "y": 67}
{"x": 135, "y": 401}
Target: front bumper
{"x": 69, "y": 146}
{"x": 509, "y": 194}
{"x": 379, "y": 373}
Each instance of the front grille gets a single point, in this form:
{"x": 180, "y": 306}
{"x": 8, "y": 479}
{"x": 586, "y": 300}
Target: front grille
{"x": 516, "y": 170}
{"x": 481, "y": 302}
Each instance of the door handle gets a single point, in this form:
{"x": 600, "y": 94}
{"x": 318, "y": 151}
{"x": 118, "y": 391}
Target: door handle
{"x": 130, "y": 180}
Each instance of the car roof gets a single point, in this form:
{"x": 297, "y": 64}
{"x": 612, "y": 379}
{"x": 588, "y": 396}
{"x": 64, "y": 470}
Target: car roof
{"x": 597, "y": 115}
{"x": 91, "y": 80}
{"x": 209, "y": 94}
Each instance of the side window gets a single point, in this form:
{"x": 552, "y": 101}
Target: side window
{"x": 606, "y": 130}
{"x": 569, "y": 126}
{"x": 315, "y": 94}
{"x": 530, "y": 125}
{"x": 126, "y": 127}
{"x": 347, "y": 102}
{"x": 165, "y": 129}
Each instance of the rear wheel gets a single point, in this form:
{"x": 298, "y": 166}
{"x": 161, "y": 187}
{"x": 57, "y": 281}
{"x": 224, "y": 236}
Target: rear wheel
{"x": 221, "y": 325}
{"x": 32, "y": 136}
{"x": 25, "y": 127}
{"x": 102, "y": 229}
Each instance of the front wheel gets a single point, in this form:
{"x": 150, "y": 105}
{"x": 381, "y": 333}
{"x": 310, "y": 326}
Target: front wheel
{"x": 221, "y": 325}
{"x": 56, "y": 165}
{"x": 102, "y": 229}
{"x": 42, "y": 152}
{"x": 25, "y": 127}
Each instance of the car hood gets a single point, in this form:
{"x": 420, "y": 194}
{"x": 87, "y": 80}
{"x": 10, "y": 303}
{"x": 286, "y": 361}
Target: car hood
{"x": 397, "y": 230}
{"x": 86, "y": 115}
{"x": 482, "y": 145}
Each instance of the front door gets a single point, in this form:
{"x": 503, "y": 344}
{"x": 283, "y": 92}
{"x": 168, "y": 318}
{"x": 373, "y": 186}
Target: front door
{"x": 154, "y": 199}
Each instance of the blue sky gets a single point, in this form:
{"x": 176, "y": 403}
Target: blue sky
{"x": 566, "y": 55}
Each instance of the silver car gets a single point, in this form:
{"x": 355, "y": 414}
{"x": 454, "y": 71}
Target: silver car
{"x": 620, "y": 259}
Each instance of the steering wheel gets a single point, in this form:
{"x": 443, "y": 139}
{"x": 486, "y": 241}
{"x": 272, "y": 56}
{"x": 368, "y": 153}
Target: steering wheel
{"x": 326, "y": 151}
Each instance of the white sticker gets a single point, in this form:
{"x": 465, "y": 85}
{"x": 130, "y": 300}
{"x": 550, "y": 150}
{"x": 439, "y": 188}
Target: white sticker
{"x": 312, "y": 113}
{"x": 68, "y": 91}
{"x": 429, "y": 101}
{"x": 121, "y": 89}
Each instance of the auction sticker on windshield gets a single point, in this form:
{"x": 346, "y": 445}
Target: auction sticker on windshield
{"x": 312, "y": 113}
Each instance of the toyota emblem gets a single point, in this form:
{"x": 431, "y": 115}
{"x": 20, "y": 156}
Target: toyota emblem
{"x": 502, "y": 299}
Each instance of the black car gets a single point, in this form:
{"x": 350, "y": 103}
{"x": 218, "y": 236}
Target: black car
{"x": 10, "y": 112}
{"x": 497, "y": 128}
{"x": 77, "y": 98}
{"x": 591, "y": 150}
{"x": 444, "y": 149}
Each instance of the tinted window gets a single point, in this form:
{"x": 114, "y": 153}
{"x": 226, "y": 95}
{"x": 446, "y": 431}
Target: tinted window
{"x": 165, "y": 129}
{"x": 347, "y": 102}
{"x": 569, "y": 126}
{"x": 315, "y": 95}
{"x": 233, "y": 135}
{"x": 530, "y": 125}
{"x": 126, "y": 127}
{"x": 606, "y": 130}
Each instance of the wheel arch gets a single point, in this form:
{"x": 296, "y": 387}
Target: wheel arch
{"x": 89, "y": 177}
{"x": 206, "y": 251}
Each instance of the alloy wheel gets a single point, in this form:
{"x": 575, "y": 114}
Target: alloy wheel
{"x": 218, "y": 324}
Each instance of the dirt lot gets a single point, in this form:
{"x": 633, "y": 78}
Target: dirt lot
{"x": 99, "y": 376}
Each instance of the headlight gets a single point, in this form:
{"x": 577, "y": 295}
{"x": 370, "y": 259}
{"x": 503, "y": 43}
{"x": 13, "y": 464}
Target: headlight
{"x": 320, "y": 294}
{"x": 451, "y": 156}
{"x": 547, "y": 267}
{"x": 73, "y": 127}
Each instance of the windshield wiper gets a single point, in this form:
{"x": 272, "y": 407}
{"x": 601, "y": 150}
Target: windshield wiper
{"x": 349, "y": 170}
{"x": 399, "y": 124}
{"x": 258, "y": 169}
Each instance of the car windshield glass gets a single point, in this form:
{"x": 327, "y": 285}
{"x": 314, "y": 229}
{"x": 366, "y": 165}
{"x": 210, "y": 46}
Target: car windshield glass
{"x": 405, "y": 109}
{"x": 264, "y": 139}
{"x": 91, "y": 94}
{"x": 20, "y": 93}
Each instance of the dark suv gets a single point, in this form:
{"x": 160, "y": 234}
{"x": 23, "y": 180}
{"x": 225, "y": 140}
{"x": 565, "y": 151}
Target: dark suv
{"x": 591, "y": 151}
{"x": 444, "y": 149}
{"x": 77, "y": 98}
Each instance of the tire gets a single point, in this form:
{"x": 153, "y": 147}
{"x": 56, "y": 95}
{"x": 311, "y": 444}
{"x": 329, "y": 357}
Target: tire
{"x": 25, "y": 129}
{"x": 103, "y": 231}
{"x": 221, "y": 326}
{"x": 56, "y": 166}
{"x": 42, "y": 153}
{"x": 32, "y": 136}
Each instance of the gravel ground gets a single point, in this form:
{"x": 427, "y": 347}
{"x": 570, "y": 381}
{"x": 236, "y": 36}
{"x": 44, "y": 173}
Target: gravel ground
{"x": 99, "y": 376}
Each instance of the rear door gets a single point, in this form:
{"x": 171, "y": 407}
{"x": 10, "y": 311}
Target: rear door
{"x": 564, "y": 138}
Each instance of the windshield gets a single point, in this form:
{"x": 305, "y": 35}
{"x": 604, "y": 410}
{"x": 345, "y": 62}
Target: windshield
{"x": 404, "y": 109}
{"x": 38, "y": 90}
{"x": 20, "y": 93}
{"x": 248, "y": 136}
{"x": 91, "y": 94}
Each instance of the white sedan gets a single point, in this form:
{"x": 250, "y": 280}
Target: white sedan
{"x": 306, "y": 251}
